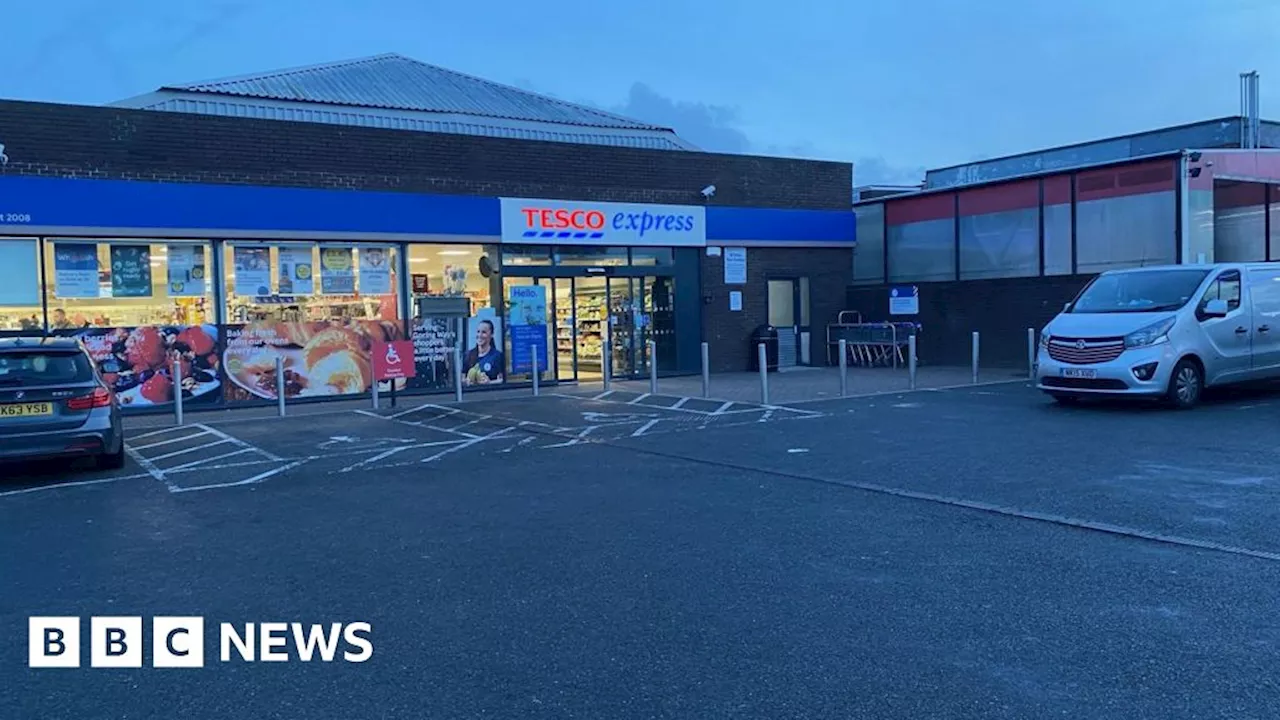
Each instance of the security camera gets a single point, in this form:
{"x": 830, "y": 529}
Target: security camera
{"x": 708, "y": 191}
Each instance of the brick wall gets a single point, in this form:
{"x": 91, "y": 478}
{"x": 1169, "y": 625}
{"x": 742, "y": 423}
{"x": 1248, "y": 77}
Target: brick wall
{"x": 1000, "y": 310}
{"x": 729, "y": 333}
{"x": 100, "y": 142}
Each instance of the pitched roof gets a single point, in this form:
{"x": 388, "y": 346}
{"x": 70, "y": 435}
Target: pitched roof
{"x": 396, "y": 82}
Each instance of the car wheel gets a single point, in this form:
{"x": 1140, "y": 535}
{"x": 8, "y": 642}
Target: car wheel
{"x": 1186, "y": 384}
{"x": 111, "y": 461}
{"x": 1064, "y": 399}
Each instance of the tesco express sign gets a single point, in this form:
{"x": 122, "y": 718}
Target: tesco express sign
{"x": 559, "y": 222}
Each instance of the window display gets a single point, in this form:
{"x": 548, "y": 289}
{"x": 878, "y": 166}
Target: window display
{"x": 126, "y": 283}
{"x": 277, "y": 282}
{"x": 454, "y": 270}
{"x": 20, "y": 308}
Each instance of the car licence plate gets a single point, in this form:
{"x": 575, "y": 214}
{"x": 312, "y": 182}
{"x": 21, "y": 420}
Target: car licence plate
{"x": 26, "y": 410}
{"x": 1084, "y": 373}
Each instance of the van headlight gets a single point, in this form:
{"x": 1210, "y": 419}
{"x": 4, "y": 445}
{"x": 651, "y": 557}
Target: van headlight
{"x": 1153, "y": 334}
{"x": 1044, "y": 338}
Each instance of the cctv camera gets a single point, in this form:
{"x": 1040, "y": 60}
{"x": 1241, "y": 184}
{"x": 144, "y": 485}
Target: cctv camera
{"x": 708, "y": 191}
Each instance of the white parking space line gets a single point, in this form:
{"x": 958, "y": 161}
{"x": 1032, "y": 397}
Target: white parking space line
{"x": 161, "y": 431}
{"x": 170, "y": 441}
{"x": 203, "y": 461}
{"x": 636, "y": 400}
{"x": 645, "y": 428}
{"x": 78, "y": 483}
{"x": 395, "y": 451}
{"x": 721, "y": 410}
{"x": 150, "y": 467}
{"x": 247, "y": 481}
{"x": 241, "y": 443}
{"x": 603, "y": 395}
{"x": 184, "y": 451}
{"x": 680, "y": 403}
{"x": 576, "y": 439}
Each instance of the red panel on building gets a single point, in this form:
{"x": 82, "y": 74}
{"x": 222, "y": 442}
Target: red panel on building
{"x": 1238, "y": 194}
{"x": 936, "y": 206}
{"x": 1057, "y": 190}
{"x": 1121, "y": 180}
{"x": 1000, "y": 198}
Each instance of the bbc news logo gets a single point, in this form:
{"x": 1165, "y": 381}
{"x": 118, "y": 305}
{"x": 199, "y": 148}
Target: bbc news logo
{"x": 179, "y": 642}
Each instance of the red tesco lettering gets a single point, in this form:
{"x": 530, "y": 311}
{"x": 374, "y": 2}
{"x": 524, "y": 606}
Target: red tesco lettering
{"x": 561, "y": 219}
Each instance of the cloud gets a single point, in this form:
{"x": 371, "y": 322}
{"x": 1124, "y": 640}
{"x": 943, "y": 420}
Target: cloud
{"x": 716, "y": 128}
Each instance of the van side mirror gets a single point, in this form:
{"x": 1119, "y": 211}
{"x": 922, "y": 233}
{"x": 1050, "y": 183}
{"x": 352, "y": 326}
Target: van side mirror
{"x": 1215, "y": 308}
{"x": 1066, "y": 307}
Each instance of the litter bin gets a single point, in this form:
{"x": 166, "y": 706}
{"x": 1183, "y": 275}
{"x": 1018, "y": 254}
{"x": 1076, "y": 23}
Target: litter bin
{"x": 768, "y": 335}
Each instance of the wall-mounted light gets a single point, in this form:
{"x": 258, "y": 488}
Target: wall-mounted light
{"x": 1193, "y": 172}
{"x": 1194, "y": 157}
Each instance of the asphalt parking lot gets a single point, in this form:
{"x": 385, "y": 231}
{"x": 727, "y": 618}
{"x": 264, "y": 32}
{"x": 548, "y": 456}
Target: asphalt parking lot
{"x": 975, "y": 552}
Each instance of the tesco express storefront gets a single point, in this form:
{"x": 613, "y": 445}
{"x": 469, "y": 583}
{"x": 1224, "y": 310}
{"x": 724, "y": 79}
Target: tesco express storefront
{"x": 226, "y": 278}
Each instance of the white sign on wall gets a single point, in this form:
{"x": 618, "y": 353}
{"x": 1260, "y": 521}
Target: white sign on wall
{"x": 564, "y": 222}
{"x": 735, "y": 266}
{"x": 735, "y": 301}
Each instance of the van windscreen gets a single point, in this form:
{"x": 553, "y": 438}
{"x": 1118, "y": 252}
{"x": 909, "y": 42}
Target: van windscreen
{"x": 1147, "y": 291}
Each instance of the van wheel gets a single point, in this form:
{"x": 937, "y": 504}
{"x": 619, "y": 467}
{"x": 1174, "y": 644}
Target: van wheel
{"x": 1186, "y": 384}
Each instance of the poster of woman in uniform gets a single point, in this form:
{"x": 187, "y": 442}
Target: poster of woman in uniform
{"x": 484, "y": 364}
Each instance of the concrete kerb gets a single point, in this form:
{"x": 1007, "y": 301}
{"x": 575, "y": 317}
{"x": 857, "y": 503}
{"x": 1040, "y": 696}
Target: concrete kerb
{"x": 901, "y": 391}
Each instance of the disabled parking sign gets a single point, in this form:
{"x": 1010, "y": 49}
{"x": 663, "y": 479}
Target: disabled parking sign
{"x": 393, "y": 360}
{"x": 904, "y": 300}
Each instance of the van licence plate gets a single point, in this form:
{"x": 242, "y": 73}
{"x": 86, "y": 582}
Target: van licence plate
{"x": 26, "y": 410}
{"x": 1083, "y": 373}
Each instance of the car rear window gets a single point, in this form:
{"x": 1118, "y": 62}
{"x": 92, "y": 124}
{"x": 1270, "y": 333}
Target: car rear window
{"x": 43, "y": 367}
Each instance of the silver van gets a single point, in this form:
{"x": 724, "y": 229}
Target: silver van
{"x": 1164, "y": 332}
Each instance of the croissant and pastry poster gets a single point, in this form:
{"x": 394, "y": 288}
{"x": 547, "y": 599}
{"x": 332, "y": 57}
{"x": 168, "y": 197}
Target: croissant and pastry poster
{"x": 318, "y": 358}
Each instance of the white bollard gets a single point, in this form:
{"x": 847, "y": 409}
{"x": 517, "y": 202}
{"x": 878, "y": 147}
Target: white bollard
{"x": 763, "y": 357}
{"x": 1031, "y": 353}
{"x": 605, "y": 370}
{"x": 844, "y": 368}
{"x": 457, "y": 372}
{"x": 653, "y": 368}
{"x": 375, "y": 393}
{"x": 706, "y": 370}
{"x": 911, "y": 361}
{"x": 975, "y": 357}
{"x": 280, "y": 385}
{"x": 177, "y": 390}
{"x": 536, "y": 371}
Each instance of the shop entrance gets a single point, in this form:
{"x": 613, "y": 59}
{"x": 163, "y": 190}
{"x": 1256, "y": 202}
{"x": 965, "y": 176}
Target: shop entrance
{"x": 789, "y": 313}
{"x": 593, "y": 313}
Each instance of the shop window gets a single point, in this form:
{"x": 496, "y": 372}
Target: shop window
{"x": 1126, "y": 231}
{"x": 526, "y": 255}
{"x": 920, "y": 238}
{"x": 652, "y": 256}
{"x": 453, "y": 270}
{"x": 1000, "y": 244}
{"x": 127, "y": 283}
{"x": 594, "y": 255}
{"x": 20, "y": 309}
{"x": 868, "y": 254}
{"x": 1273, "y": 210}
{"x": 295, "y": 282}
{"x": 1239, "y": 222}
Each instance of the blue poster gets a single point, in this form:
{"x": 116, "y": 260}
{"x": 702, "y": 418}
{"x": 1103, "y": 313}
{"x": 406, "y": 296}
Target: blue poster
{"x": 527, "y": 313}
{"x": 75, "y": 270}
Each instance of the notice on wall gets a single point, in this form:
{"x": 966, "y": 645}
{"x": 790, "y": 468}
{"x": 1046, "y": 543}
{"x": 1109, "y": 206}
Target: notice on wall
{"x": 253, "y": 271}
{"x": 21, "y": 261}
{"x": 434, "y": 342}
{"x": 527, "y": 310}
{"x": 904, "y": 300}
{"x": 735, "y": 301}
{"x": 130, "y": 271}
{"x": 187, "y": 275}
{"x": 296, "y": 275}
{"x": 75, "y": 270}
{"x": 735, "y": 266}
{"x": 375, "y": 271}
{"x": 337, "y": 273}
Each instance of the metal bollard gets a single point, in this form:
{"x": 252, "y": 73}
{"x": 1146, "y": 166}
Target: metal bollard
{"x": 975, "y": 357}
{"x": 280, "y": 385}
{"x": 844, "y": 368}
{"x": 653, "y": 368}
{"x": 605, "y": 370}
{"x": 375, "y": 393}
{"x": 177, "y": 390}
{"x": 536, "y": 371}
{"x": 457, "y": 373}
{"x": 911, "y": 361}
{"x": 763, "y": 358}
{"x": 1031, "y": 353}
{"x": 706, "y": 370}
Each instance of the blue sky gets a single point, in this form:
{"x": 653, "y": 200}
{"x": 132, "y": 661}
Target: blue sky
{"x": 893, "y": 86}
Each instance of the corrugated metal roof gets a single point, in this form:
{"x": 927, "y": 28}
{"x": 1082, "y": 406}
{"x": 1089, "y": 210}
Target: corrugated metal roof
{"x": 393, "y": 81}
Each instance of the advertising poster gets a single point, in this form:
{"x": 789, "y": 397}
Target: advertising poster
{"x": 138, "y": 362}
{"x": 375, "y": 271}
{"x": 319, "y": 358}
{"x": 434, "y": 339}
{"x": 337, "y": 276}
{"x": 130, "y": 271}
{"x": 186, "y": 271}
{"x": 483, "y": 363}
{"x": 527, "y": 313}
{"x": 253, "y": 271}
{"x": 295, "y": 271}
{"x": 75, "y": 270}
